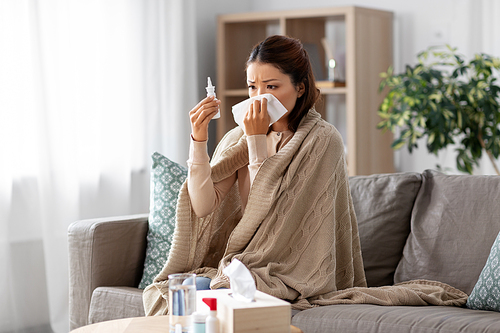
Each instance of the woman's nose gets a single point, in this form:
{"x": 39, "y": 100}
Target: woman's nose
{"x": 260, "y": 91}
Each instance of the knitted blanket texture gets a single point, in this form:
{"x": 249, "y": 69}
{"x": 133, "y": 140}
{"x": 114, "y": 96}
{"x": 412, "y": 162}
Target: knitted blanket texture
{"x": 298, "y": 235}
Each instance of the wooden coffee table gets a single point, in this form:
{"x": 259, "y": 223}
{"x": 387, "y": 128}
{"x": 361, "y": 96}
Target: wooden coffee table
{"x": 137, "y": 325}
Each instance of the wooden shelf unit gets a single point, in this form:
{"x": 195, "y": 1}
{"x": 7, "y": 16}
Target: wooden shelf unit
{"x": 365, "y": 38}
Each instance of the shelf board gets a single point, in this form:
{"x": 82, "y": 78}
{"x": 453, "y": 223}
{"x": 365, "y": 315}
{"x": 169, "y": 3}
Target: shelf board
{"x": 332, "y": 91}
{"x": 237, "y": 92}
{"x": 288, "y": 14}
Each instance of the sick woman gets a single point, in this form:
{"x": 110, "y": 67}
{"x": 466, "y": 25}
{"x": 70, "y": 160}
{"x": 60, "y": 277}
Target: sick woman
{"x": 276, "y": 197}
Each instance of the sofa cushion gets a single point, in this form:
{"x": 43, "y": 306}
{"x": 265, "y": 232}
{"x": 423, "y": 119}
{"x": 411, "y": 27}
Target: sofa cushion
{"x": 486, "y": 292}
{"x": 395, "y": 319}
{"x": 167, "y": 178}
{"x": 110, "y": 303}
{"x": 454, "y": 223}
{"x": 383, "y": 205}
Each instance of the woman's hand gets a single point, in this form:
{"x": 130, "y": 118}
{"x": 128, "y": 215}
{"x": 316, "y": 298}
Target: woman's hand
{"x": 257, "y": 119}
{"x": 201, "y": 115}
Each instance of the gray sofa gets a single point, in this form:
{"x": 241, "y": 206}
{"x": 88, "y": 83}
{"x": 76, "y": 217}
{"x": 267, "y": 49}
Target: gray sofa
{"x": 412, "y": 226}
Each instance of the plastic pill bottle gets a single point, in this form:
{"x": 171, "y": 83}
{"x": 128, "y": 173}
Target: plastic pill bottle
{"x": 199, "y": 319}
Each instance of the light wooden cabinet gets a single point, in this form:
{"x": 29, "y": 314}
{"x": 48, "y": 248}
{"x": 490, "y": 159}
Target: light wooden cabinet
{"x": 360, "y": 40}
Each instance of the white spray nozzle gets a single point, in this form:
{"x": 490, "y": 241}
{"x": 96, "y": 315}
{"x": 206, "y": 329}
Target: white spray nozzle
{"x": 210, "y": 88}
{"x": 211, "y": 92}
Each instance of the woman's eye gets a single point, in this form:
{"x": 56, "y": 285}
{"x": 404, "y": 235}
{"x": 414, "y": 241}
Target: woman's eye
{"x": 271, "y": 87}
{"x": 251, "y": 87}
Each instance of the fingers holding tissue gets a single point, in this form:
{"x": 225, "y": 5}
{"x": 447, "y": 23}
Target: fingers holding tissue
{"x": 274, "y": 109}
{"x": 256, "y": 120}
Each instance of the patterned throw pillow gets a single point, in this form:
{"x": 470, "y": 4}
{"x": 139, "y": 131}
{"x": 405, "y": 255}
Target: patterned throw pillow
{"x": 167, "y": 178}
{"x": 486, "y": 292}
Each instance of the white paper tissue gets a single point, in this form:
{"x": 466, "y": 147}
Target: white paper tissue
{"x": 241, "y": 280}
{"x": 275, "y": 109}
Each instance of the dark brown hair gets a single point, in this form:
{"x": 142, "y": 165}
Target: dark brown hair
{"x": 289, "y": 56}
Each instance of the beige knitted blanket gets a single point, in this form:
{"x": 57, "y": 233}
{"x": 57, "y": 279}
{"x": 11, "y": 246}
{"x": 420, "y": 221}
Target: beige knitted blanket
{"x": 298, "y": 235}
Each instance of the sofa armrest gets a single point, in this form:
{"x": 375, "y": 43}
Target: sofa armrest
{"x": 103, "y": 252}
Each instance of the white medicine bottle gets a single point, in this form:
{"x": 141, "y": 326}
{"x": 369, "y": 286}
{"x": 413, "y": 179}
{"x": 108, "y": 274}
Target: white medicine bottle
{"x": 212, "y": 322}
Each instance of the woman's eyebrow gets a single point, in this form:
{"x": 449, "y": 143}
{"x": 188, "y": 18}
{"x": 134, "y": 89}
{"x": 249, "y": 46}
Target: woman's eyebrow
{"x": 268, "y": 80}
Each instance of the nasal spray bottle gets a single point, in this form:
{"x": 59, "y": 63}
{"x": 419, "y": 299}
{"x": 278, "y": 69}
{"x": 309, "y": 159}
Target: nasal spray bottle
{"x": 211, "y": 92}
{"x": 212, "y": 322}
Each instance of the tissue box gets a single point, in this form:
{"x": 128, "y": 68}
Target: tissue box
{"x": 266, "y": 314}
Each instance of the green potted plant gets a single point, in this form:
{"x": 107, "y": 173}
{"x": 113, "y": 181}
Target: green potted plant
{"x": 447, "y": 100}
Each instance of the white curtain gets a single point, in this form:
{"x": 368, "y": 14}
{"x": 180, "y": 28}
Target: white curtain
{"x": 88, "y": 90}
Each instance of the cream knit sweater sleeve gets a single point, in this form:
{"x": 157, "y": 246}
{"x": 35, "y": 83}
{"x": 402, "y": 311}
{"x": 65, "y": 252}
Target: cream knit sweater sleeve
{"x": 257, "y": 153}
{"x": 204, "y": 194}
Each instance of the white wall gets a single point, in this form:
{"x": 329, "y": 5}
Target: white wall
{"x": 470, "y": 25}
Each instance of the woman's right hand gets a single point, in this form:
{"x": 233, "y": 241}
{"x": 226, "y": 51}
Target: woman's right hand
{"x": 201, "y": 115}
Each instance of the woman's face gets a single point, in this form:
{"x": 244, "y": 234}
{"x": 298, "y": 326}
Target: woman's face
{"x": 267, "y": 79}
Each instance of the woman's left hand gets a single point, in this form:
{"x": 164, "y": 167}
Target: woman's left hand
{"x": 257, "y": 119}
